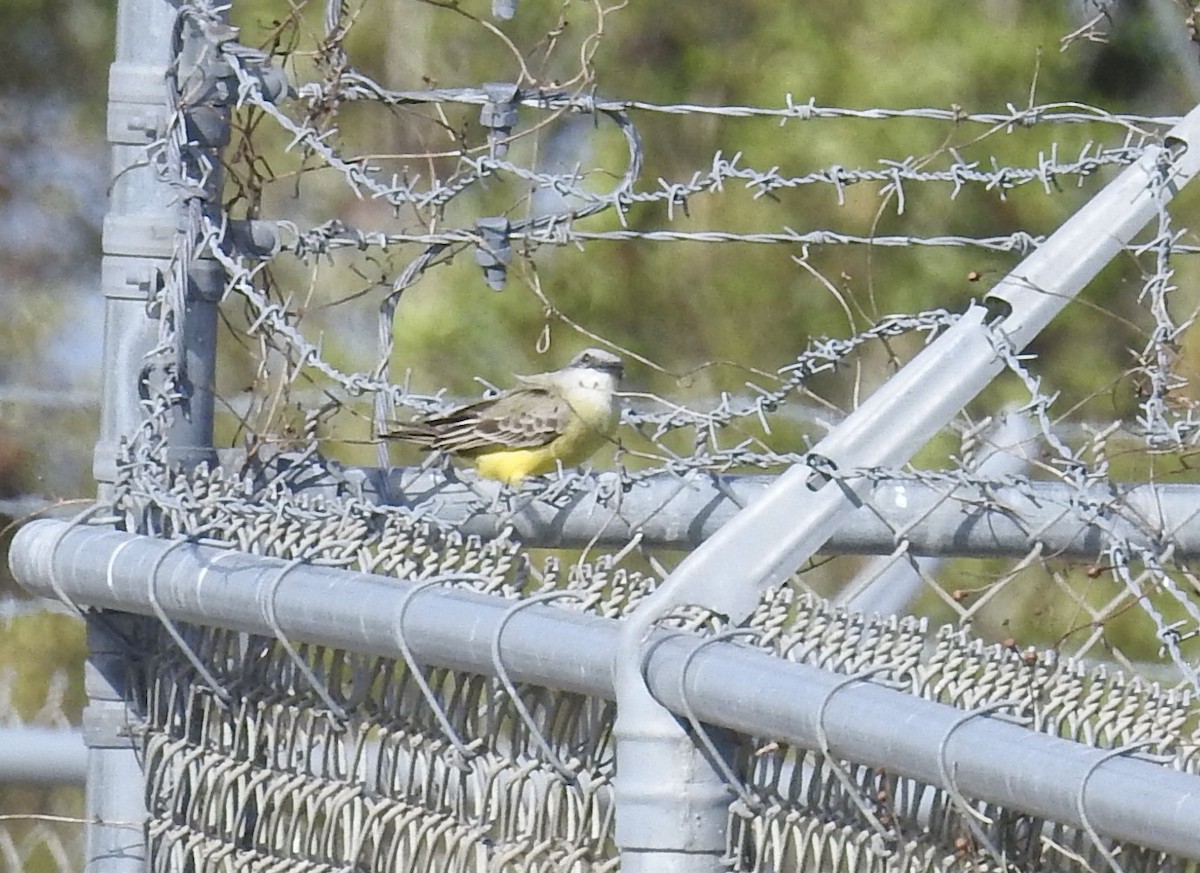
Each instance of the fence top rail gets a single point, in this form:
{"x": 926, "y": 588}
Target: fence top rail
{"x": 938, "y": 514}
{"x": 721, "y": 683}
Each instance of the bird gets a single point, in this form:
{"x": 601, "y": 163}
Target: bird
{"x": 561, "y": 417}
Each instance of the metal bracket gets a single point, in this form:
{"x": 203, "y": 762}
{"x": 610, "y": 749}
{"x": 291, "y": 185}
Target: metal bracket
{"x": 209, "y": 84}
{"x": 140, "y": 278}
{"x": 125, "y": 278}
{"x": 493, "y": 252}
{"x": 254, "y": 238}
{"x": 137, "y": 108}
{"x": 499, "y": 115}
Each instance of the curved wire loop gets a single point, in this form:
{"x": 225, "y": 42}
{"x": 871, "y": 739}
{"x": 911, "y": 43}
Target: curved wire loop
{"x": 201, "y": 668}
{"x": 339, "y": 712}
{"x": 746, "y": 805}
{"x": 971, "y": 816}
{"x": 510, "y": 687}
{"x": 55, "y": 583}
{"x": 465, "y": 750}
{"x": 888, "y": 835}
{"x": 1081, "y": 802}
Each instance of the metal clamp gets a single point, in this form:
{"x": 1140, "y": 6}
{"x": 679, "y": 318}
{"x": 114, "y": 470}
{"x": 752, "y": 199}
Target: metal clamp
{"x": 215, "y": 72}
{"x": 493, "y": 252}
{"x": 253, "y": 238}
{"x": 499, "y": 115}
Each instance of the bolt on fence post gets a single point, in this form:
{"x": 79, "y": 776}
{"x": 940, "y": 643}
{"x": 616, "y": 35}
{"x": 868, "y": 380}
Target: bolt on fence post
{"x": 769, "y": 540}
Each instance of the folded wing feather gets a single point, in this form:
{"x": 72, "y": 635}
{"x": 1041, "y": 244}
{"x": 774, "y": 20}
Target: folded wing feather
{"x": 521, "y": 419}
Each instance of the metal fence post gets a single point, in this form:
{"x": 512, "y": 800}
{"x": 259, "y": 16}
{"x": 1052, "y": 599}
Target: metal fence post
{"x": 143, "y": 254}
{"x": 141, "y": 237}
{"x": 114, "y": 795}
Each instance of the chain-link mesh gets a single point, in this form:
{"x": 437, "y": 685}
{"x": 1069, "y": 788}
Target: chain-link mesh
{"x": 254, "y": 761}
{"x": 41, "y": 826}
{"x": 350, "y": 761}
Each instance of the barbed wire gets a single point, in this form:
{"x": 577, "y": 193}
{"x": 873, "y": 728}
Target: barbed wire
{"x": 264, "y": 502}
{"x": 354, "y": 86}
{"x": 275, "y": 321}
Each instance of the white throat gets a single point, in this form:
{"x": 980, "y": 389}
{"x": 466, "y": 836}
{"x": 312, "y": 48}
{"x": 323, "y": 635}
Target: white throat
{"x": 581, "y": 379}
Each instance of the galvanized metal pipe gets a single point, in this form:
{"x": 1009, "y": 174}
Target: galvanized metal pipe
{"x": 663, "y": 778}
{"x": 725, "y": 684}
{"x": 41, "y": 755}
{"x": 936, "y": 520}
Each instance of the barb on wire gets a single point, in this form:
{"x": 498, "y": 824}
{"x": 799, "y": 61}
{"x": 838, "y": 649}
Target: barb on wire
{"x": 439, "y": 771}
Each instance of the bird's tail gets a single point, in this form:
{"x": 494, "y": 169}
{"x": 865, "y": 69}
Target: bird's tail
{"x": 415, "y": 432}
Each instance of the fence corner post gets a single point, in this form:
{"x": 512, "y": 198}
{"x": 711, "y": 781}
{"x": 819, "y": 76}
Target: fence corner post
{"x": 115, "y": 803}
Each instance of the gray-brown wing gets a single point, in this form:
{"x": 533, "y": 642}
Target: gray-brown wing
{"x": 521, "y": 419}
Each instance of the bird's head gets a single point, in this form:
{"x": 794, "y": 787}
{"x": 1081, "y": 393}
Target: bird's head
{"x": 600, "y": 361}
{"x": 594, "y": 369}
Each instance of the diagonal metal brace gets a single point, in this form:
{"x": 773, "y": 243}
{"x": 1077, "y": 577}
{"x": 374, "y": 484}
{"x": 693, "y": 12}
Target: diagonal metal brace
{"x": 667, "y": 802}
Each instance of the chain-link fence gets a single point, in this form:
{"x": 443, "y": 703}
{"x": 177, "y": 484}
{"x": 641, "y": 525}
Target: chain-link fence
{"x": 42, "y": 754}
{"x": 889, "y": 385}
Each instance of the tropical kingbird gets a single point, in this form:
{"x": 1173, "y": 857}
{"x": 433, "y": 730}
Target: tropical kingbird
{"x": 561, "y": 417}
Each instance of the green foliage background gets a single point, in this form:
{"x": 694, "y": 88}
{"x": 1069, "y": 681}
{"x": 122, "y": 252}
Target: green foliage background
{"x": 698, "y": 319}
{"x": 695, "y": 319}
{"x": 684, "y": 305}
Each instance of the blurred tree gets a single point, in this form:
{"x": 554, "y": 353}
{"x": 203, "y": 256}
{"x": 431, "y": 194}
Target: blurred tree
{"x": 672, "y": 301}
{"x": 53, "y": 181}
{"x": 53, "y": 186}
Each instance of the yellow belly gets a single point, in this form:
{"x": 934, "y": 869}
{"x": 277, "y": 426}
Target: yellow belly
{"x": 575, "y": 445}
{"x": 515, "y": 465}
